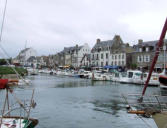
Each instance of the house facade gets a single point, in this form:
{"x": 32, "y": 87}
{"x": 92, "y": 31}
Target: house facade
{"x": 86, "y": 60}
{"x": 25, "y": 54}
{"x": 72, "y": 56}
{"x": 145, "y": 52}
{"x": 112, "y": 52}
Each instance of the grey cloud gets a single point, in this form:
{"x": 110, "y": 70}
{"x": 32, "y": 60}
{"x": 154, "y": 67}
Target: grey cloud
{"x": 50, "y": 25}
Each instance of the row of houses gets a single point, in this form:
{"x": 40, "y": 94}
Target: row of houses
{"x": 111, "y": 52}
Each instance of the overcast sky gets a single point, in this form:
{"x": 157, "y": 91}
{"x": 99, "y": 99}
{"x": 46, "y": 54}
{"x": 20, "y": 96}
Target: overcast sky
{"x": 50, "y": 25}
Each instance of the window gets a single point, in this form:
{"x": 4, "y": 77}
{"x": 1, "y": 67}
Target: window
{"x": 140, "y": 59}
{"x": 106, "y": 62}
{"x": 140, "y": 49}
{"x": 147, "y": 49}
{"x": 93, "y": 57}
{"x": 112, "y": 63}
{"x": 115, "y": 62}
{"x": 97, "y": 57}
{"x": 147, "y": 58}
{"x": 115, "y": 56}
{"x": 123, "y": 63}
{"x": 119, "y": 56}
{"x": 106, "y": 55}
{"x": 102, "y": 56}
{"x": 102, "y": 64}
{"x": 123, "y": 56}
{"x": 144, "y": 49}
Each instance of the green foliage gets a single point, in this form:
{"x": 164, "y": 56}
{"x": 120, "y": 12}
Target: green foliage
{"x": 133, "y": 66}
{"x": 3, "y": 61}
{"x": 9, "y": 70}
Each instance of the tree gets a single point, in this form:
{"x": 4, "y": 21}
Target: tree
{"x": 133, "y": 66}
{"x": 2, "y": 62}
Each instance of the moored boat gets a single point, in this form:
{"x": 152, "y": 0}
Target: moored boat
{"x": 101, "y": 77}
{"x": 11, "y": 117}
{"x": 163, "y": 81}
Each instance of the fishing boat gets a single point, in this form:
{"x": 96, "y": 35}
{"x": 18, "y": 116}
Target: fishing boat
{"x": 12, "y": 116}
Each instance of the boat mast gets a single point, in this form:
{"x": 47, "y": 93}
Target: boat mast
{"x": 164, "y": 49}
{"x": 159, "y": 44}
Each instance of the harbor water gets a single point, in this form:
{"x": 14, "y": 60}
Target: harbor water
{"x": 68, "y": 102}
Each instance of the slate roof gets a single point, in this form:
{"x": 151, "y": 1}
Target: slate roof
{"x": 108, "y": 43}
{"x": 31, "y": 59}
{"x": 70, "y": 49}
{"x": 103, "y": 44}
{"x": 148, "y": 43}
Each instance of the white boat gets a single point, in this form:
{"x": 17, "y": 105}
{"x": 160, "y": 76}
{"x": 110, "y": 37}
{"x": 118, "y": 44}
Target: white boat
{"x": 118, "y": 76}
{"x": 32, "y": 71}
{"x": 11, "y": 115}
{"x": 133, "y": 77}
{"x": 101, "y": 77}
{"x": 87, "y": 74}
{"x": 24, "y": 82}
{"x": 154, "y": 80}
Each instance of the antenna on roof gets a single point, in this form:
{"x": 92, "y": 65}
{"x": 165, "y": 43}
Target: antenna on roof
{"x": 26, "y": 44}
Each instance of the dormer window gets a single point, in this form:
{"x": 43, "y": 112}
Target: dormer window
{"x": 140, "y": 49}
{"x": 144, "y": 49}
{"x": 147, "y": 49}
{"x": 151, "y": 48}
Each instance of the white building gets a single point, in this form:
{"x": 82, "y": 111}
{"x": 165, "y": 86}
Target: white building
{"x": 25, "y": 54}
{"x": 100, "y": 54}
{"x": 72, "y": 56}
{"x": 79, "y": 53}
{"x": 86, "y": 60}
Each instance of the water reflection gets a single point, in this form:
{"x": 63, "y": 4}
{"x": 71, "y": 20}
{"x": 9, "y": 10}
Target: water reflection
{"x": 110, "y": 107}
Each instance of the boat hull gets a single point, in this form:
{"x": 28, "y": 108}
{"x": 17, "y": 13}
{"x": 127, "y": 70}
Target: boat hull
{"x": 18, "y": 122}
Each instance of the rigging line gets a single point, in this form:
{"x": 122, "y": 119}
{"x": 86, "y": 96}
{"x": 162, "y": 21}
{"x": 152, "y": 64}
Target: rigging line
{"x": 3, "y": 20}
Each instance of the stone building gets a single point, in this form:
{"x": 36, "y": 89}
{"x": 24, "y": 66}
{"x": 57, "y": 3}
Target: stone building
{"x": 145, "y": 52}
{"x": 111, "y": 52}
{"x": 72, "y": 56}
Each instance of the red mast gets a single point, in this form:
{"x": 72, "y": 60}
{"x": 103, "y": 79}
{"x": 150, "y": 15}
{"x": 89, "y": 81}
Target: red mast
{"x": 160, "y": 43}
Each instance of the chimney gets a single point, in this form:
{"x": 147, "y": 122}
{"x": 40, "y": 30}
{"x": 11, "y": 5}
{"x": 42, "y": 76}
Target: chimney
{"x": 117, "y": 37}
{"x": 98, "y": 41}
{"x": 140, "y": 41}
